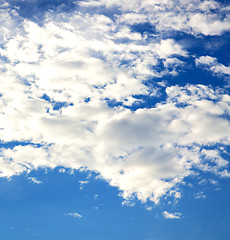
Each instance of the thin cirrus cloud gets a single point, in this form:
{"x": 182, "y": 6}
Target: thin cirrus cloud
{"x": 65, "y": 71}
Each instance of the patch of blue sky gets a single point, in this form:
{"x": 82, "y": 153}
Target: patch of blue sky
{"x": 40, "y": 211}
{"x": 56, "y": 105}
{"x": 145, "y": 101}
{"x": 13, "y": 144}
{"x": 142, "y": 100}
{"x": 225, "y": 2}
{"x": 145, "y": 28}
{"x": 112, "y": 13}
{"x": 195, "y": 76}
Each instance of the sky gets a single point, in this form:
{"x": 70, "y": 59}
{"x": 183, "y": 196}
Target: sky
{"x": 114, "y": 119}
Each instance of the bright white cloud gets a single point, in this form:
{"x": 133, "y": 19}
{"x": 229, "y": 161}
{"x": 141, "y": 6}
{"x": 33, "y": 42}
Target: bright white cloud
{"x": 209, "y": 24}
{"x": 211, "y": 64}
{"x": 147, "y": 152}
{"x": 191, "y": 16}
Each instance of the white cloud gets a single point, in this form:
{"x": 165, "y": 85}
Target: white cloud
{"x": 171, "y": 215}
{"x": 169, "y": 47}
{"x": 61, "y": 170}
{"x": 191, "y": 16}
{"x": 75, "y": 215}
{"x": 199, "y": 195}
{"x": 146, "y": 153}
{"x": 209, "y": 24}
{"x": 34, "y": 180}
{"x": 211, "y": 64}
{"x": 206, "y": 60}
{"x": 149, "y": 208}
{"x": 82, "y": 183}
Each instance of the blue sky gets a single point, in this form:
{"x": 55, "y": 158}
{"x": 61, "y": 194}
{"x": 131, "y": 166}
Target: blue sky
{"x": 114, "y": 119}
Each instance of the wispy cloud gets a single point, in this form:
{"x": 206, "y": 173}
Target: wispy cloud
{"x": 199, "y": 195}
{"x": 34, "y": 180}
{"x": 75, "y": 215}
{"x": 82, "y": 183}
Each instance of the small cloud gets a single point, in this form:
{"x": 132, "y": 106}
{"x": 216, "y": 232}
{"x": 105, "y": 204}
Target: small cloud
{"x": 211, "y": 64}
{"x": 149, "y": 208}
{"x": 171, "y": 215}
{"x": 224, "y": 173}
{"x": 199, "y": 195}
{"x": 128, "y": 203}
{"x": 95, "y": 196}
{"x": 75, "y": 215}
{"x": 212, "y": 181}
{"x": 89, "y": 175}
{"x": 72, "y": 171}
{"x": 34, "y": 180}
{"x": 206, "y": 60}
{"x": 82, "y": 183}
{"x": 203, "y": 181}
{"x": 62, "y": 170}
{"x": 96, "y": 208}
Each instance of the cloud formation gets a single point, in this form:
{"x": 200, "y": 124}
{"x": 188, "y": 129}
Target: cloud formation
{"x": 194, "y": 17}
{"x": 68, "y": 70}
{"x": 211, "y": 64}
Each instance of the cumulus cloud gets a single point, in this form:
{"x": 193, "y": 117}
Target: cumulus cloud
{"x": 211, "y": 64}
{"x": 147, "y": 152}
{"x": 194, "y": 17}
{"x": 66, "y": 71}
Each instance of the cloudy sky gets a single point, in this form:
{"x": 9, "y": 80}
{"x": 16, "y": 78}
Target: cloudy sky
{"x": 114, "y": 119}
